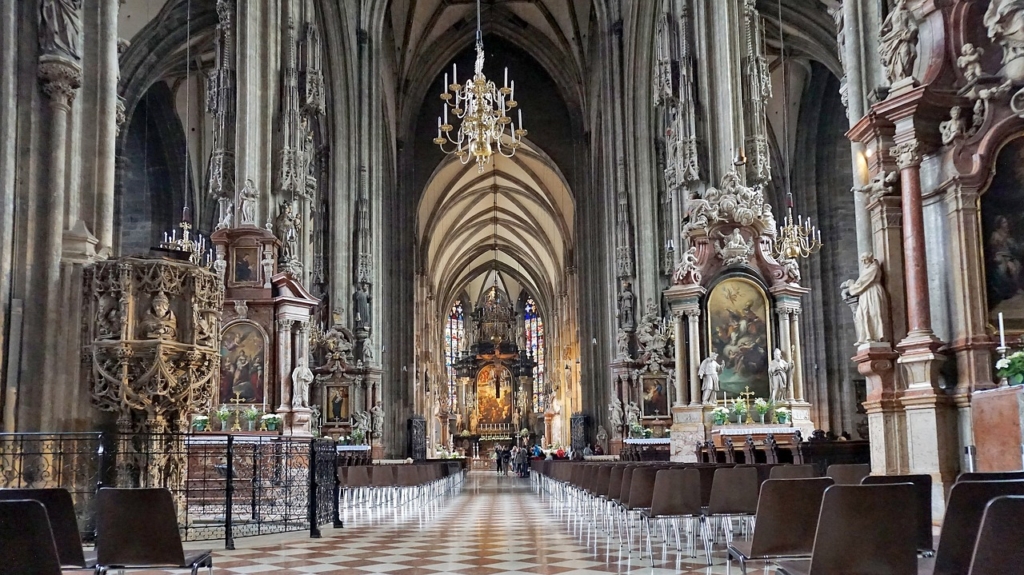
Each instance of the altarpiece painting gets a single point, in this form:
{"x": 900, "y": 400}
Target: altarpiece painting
{"x": 655, "y": 397}
{"x": 243, "y": 355}
{"x": 494, "y": 394}
{"x": 738, "y": 330}
{"x": 1002, "y": 216}
{"x": 336, "y": 407}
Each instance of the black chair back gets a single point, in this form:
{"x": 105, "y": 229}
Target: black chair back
{"x": 1000, "y": 545}
{"x": 60, "y": 510}
{"x": 967, "y": 501}
{"x": 28, "y": 546}
{"x": 923, "y": 491}
{"x": 137, "y": 527}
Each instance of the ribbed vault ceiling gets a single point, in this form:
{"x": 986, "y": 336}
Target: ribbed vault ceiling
{"x": 520, "y": 205}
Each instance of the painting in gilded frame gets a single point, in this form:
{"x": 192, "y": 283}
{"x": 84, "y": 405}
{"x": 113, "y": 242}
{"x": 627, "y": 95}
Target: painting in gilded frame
{"x": 245, "y": 266}
{"x": 739, "y": 331}
{"x": 336, "y": 408}
{"x": 655, "y": 397}
{"x": 243, "y": 354}
{"x": 1002, "y": 218}
{"x": 494, "y": 394}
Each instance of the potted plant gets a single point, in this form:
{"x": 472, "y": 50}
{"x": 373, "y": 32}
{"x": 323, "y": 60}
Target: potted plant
{"x": 357, "y": 436}
{"x": 251, "y": 414}
{"x": 720, "y": 415}
{"x": 223, "y": 414}
{"x": 739, "y": 409}
{"x": 782, "y": 415}
{"x": 762, "y": 406}
{"x": 272, "y": 421}
{"x": 524, "y": 432}
{"x": 647, "y": 433}
{"x": 1011, "y": 368}
{"x": 199, "y": 422}
{"x": 636, "y": 431}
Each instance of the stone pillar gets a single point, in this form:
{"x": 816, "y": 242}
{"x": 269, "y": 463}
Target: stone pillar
{"x": 681, "y": 389}
{"x": 688, "y": 423}
{"x": 785, "y": 344}
{"x": 106, "y": 126}
{"x": 797, "y": 389}
{"x": 284, "y": 367}
{"x": 887, "y": 423}
{"x": 693, "y": 320}
{"x": 931, "y": 424}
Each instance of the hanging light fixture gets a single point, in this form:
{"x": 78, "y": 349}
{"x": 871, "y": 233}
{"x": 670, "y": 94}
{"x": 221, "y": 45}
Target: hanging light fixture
{"x": 191, "y": 243}
{"x": 483, "y": 109}
{"x": 796, "y": 237}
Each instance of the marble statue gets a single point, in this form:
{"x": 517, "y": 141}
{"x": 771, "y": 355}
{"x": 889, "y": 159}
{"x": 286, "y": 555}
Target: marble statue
{"x": 898, "y": 43}
{"x": 779, "y": 373}
{"x": 615, "y": 413}
{"x": 969, "y": 61}
{"x": 361, "y": 421}
{"x": 227, "y": 216}
{"x": 872, "y": 301}
{"x": 627, "y": 319}
{"x": 60, "y": 28}
{"x": 301, "y": 378}
{"x": 286, "y": 228}
{"x": 474, "y": 420}
{"x": 733, "y": 249}
{"x": 377, "y": 411}
{"x": 1004, "y": 20}
{"x": 632, "y": 414}
{"x": 361, "y": 299}
{"x": 622, "y": 344}
{"x": 708, "y": 374}
{"x": 108, "y": 318}
{"x": 204, "y": 330}
{"x": 368, "y": 353}
{"x": 602, "y": 434}
{"x": 953, "y": 128}
{"x": 159, "y": 322}
{"x": 247, "y": 198}
{"x": 688, "y": 271}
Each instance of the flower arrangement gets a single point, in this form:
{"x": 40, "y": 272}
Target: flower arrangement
{"x": 762, "y": 405}
{"x": 199, "y": 422}
{"x": 465, "y": 433}
{"x": 223, "y": 413}
{"x": 636, "y": 430}
{"x": 358, "y": 436}
{"x": 739, "y": 408}
{"x": 1011, "y": 367}
{"x": 720, "y": 414}
{"x": 782, "y": 415}
{"x": 271, "y": 420}
{"x": 251, "y": 413}
{"x": 524, "y": 432}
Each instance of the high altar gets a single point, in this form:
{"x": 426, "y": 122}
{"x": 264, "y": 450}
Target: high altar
{"x": 735, "y": 308}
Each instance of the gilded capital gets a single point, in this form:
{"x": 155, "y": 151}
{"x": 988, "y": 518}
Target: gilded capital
{"x": 907, "y": 154}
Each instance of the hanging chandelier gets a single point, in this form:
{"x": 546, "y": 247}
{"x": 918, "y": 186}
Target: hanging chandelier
{"x": 483, "y": 108}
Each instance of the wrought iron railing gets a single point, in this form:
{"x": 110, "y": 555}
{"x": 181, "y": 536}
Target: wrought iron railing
{"x": 224, "y": 486}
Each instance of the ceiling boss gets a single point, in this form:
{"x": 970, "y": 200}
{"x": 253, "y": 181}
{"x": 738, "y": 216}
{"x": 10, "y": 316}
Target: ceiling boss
{"x": 483, "y": 109}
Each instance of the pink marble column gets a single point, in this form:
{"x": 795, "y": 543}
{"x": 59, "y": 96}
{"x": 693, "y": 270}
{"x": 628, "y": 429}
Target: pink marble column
{"x": 919, "y": 319}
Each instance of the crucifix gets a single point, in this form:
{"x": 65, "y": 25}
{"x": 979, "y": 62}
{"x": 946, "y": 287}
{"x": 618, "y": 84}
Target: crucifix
{"x": 238, "y": 403}
{"x": 746, "y": 395}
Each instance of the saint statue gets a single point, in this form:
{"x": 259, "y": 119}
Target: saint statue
{"x": 622, "y": 345}
{"x": 377, "y": 411}
{"x": 779, "y": 371}
{"x": 286, "y": 228}
{"x": 872, "y": 301}
{"x": 247, "y": 197}
{"x": 615, "y": 413}
{"x": 159, "y": 321}
{"x": 969, "y": 61}
{"x": 632, "y": 414}
{"x": 60, "y": 28}
{"x": 708, "y": 374}
{"x": 474, "y": 420}
{"x": 898, "y": 43}
{"x": 361, "y": 306}
{"x": 627, "y": 320}
{"x": 301, "y": 378}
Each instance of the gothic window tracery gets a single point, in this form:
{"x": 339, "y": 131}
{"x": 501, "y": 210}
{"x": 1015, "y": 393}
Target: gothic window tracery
{"x": 454, "y": 341}
{"x": 534, "y": 327}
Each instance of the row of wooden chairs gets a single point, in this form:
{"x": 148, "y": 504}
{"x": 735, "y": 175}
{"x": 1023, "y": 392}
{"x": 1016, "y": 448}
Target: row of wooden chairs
{"x": 135, "y": 529}
{"x": 378, "y": 485}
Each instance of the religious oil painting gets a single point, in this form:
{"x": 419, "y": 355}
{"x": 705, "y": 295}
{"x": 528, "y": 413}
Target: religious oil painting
{"x": 655, "y": 397}
{"x": 336, "y": 404}
{"x": 494, "y": 394}
{"x": 243, "y": 355}
{"x": 246, "y": 265}
{"x": 1002, "y": 216}
{"x": 738, "y": 331}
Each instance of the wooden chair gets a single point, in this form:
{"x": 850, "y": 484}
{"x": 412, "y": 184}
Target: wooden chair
{"x": 677, "y": 496}
{"x": 60, "y": 510}
{"x": 923, "y": 491}
{"x": 26, "y": 540}
{"x": 991, "y": 476}
{"x": 862, "y": 531}
{"x": 967, "y": 501}
{"x": 1000, "y": 545}
{"x": 733, "y": 494}
{"x": 848, "y": 473}
{"x": 792, "y": 472}
{"x": 787, "y": 517}
{"x": 138, "y": 528}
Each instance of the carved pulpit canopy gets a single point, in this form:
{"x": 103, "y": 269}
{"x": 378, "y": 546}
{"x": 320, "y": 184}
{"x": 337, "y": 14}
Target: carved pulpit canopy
{"x": 731, "y": 226}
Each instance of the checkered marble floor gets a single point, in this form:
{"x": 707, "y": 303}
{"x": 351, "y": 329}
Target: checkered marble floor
{"x": 496, "y": 526}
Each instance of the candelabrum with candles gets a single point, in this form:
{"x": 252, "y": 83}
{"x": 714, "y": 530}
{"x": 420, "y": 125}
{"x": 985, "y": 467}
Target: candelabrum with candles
{"x": 189, "y": 242}
{"x": 486, "y": 128}
{"x": 797, "y": 237}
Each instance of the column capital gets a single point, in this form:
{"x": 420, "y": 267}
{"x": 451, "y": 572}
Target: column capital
{"x": 60, "y": 78}
{"x": 907, "y": 154}
{"x": 284, "y": 324}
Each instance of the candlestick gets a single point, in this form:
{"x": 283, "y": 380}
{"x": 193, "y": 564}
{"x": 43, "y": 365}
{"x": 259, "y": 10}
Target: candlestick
{"x": 1002, "y": 331}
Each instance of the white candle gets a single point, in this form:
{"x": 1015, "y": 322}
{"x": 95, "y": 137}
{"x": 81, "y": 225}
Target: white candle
{"x": 455, "y": 73}
{"x": 506, "y": 76}
{"x": 445, "y": 85}
{"x": 1002, "y": 331}
{"x": 513, "y": 92}
{"x": 446, "y": 115}
{"x": 520, "y": 118}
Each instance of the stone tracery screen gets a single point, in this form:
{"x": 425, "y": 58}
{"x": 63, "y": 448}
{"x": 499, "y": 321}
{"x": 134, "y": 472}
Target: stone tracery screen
{"x": 534, "y": 325}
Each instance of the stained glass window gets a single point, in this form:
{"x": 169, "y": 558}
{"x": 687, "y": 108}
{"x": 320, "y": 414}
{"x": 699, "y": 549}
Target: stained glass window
{"x": 534, "y": 327}
{"x": 454, "y": 340}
